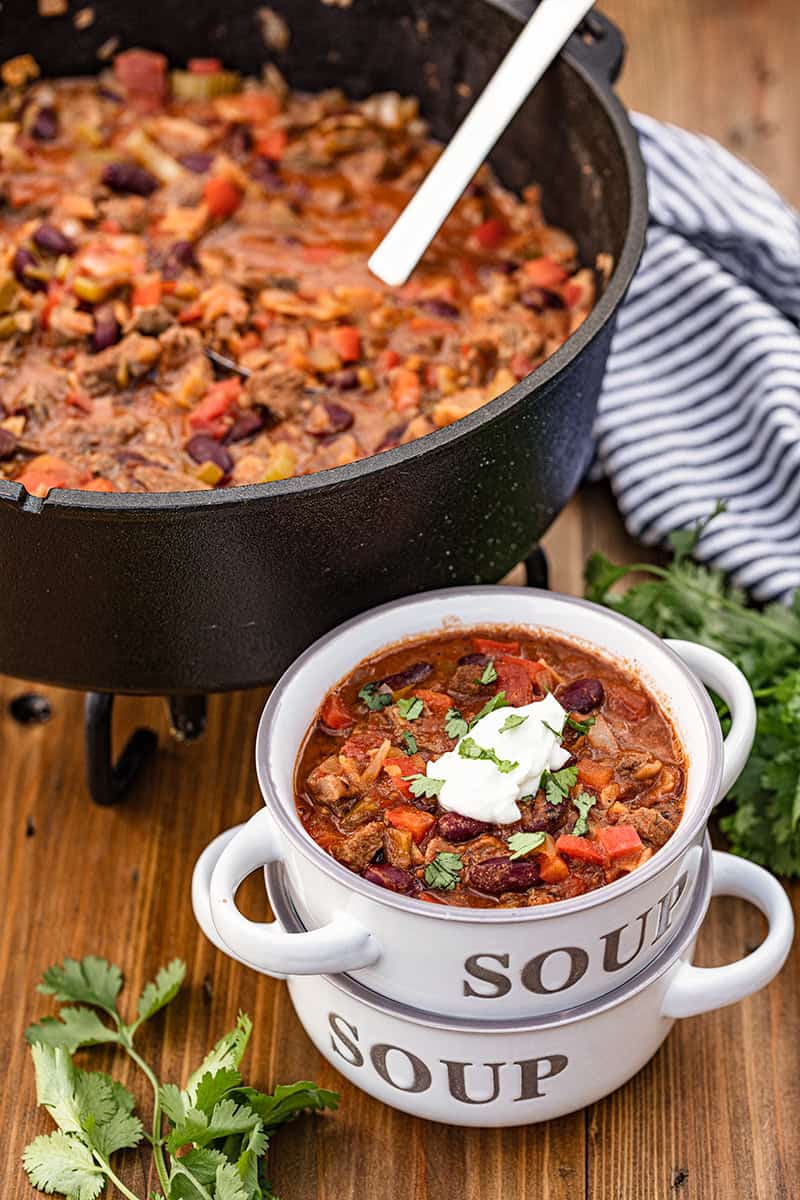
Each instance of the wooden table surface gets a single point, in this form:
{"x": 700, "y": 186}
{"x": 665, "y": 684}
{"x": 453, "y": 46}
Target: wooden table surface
{"x": 714, "y": 1115}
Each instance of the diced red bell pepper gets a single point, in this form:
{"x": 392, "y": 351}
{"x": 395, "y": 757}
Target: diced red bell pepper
{"x": 272, "y": 145}
{"x": 492, "y": 233}
{"x": 192, "y": 312}
{"x": 335, "y": 714}
{"x": 487, "y": 646}
{"x": 626, "y": 702}
{"x": 579, "y": 848}
{"x": 143, "y": 73}
{"x": 619, "y": 841}
{"x": 222, "y": 197}
{"x": 406, "y": 389}
{"x": 388, "y": 359}
{"x": 98, "y": 485}
{"x": 209, "y": 415}
{"x": 438, "y": 702}
{"x": 147, "y": 292}
{"x": 347, "y": 342}
{"x": 514, "y": 680}
{"x": 416, "y": 822}
{"x": 594, "y": 774}
{"x": 544, "y": 273}
{"x": 204, "y": 66}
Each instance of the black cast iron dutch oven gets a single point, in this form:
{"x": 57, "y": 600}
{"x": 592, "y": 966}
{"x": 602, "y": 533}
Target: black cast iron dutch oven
{"x": 200, "y": 592}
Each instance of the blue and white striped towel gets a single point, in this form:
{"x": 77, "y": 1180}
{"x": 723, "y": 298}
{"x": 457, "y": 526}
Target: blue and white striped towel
{"x": 701, "y": 400}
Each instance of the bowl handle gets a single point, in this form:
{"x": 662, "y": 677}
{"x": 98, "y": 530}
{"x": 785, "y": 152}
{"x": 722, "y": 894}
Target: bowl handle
{"x": 341, "y": 945}
{"x": 696, "y": 990}
{"x": 719, "y": 673}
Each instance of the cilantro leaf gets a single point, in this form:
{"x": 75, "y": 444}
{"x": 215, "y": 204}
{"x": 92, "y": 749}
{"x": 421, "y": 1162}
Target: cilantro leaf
{"x": 226, "y": 1119}
{"x": 454, "y": 724}
{"x": 90, "y": 981}
{"x": 228, "y": 1052}
{"x": 523, "y": 843}
{"x": 55, "y": 1162}
{"x": 288, "y": 1100}
{"x": 580, "y": 726}
{"x": 173, "y": 1102}
{"x": 159, "y": 993}
{"x": 410, "y": 708}
{"x": 557, "y": 784}
{"x": 469, "y": 748}
{"x": 554, "y": 732}
{"x": 583, "y": 802}
{"x": 202, "y": 1166}
{"x": 76, "y": 1027}
{"x": 497, "y": 701}
{"x": 409, "y": 743}
{"x": 489, "y": 674}
{"x": 444, "y": 871}
{"x": 423, "y": 785}
{"x": 512, "y": 721}
{"x": 374, "y": 699}
{"x": 228, "y": 1184}
{"x": 215, "y": 1087}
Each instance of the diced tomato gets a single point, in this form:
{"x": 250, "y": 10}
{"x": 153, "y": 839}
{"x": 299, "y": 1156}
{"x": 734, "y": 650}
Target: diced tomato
{"x": 487, "y": 646}
{"x": 221, "y": 196}
{"x": 81, "y": 401}
{"x": 347, "y": 342}
{"x": 492, "y": 233}
{"x": 204, "y": 66}
{"x": 208, "y": 416}
{"x": 544, "y": 273}
{"x": 405, "y": 816}
{"x": 147, "y": 292}
{"x": 45, "y": 472}
{"x": 98, "y": 485}
{"x": 335, "y": 714}
{"x": 273, "y": 144}
{"x": 619, "y": 841}
{"x": 192, "y": 312}
{"x": 406, "y": 389}
{"x": 398, "y": 768}
{"x": 594, "y": 774}
{"x": 626, "y": 702}
{"x": 553, "y": 870}
{"x": 579, "y": 848}
{"x": 514, "y": 680}
{"x": 54, "y": 293}
{"x": 437, "y": 702}
{"x": 388, "y": 359}
{"x": 142, "y": 73}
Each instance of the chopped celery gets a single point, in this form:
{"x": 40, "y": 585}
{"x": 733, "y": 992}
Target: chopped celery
{"x": 282, "y": 463}
{"x": 187, "y": 85}
{"x": 209, "y": 472}
{"x": 149, "y": 155}
{"x": 92, "y": 290}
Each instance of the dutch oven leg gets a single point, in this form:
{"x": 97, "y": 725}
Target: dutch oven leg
{"x": 109, "y": 781}
{"x": 537, "y": 568}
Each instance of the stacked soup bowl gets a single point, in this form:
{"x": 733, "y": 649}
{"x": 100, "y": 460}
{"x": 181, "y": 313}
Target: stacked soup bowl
{"x": 494, "y": 1016}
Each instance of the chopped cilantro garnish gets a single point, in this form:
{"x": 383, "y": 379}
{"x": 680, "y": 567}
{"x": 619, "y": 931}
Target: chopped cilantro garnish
{"x": 374, "y": 699}
{"x": 409, "y": 742}
{"x": 523, "y": 843}
{"x": 423, "y": 785}
{"x": 489, "y": 673}
{"x": 512, "y": 721}
{"x": 580, "y": 726}
{"x": 550, "y": 729}
{"x": 444, "y": 870}
{"x": 498, "y": 701}
{"x": 410, "y": 708}
{"x": 556, "y": 784}
{"x": 469, "y": 748}
{"x": 454, "y": 724}
{"x": 583, "y": 802}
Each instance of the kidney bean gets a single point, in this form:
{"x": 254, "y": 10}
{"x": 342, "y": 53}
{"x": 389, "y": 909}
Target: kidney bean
{"x": 179, "y": 256}
{"x": 392, "y": 438}
{"x": 440, "y": 308}
{"x": 473, "y": 660}
{"x": 45, "y": 125}
{"x": 340, "y": 418}
{"x": 128, "y": 179}
{"x": 453, "y": 827}
{"x": 246, "y": 424}
{"x": 106, "y": 329}
{"x": 345, "y": 380}
{"x": 582, "y": 695}
{"x": 196, "y": 161}
{"x": 496, "y": 875}
{"x": 8, "y": 443}
{"x": 394, "y": 879}
{"x": 413, "y": 674}
{"x": 52, "y": 240}
{"x": 22, "y": 261}
{"x": 540, "y": 298}
{"x": 203, "y": 448}
{"x": 544, "y": 817}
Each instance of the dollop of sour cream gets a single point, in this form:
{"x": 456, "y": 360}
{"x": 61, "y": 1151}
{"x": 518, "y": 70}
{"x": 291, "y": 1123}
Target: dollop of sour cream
{"x": 477, "y": 787}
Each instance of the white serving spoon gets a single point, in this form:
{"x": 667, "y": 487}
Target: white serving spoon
{"x": 513, "y": 81}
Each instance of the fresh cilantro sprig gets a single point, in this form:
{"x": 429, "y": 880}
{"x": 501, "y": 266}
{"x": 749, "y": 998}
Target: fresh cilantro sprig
{"x": 692, "y": 602}
{"x": 455, "y": 726}
{"x": 208, "y": 1139}
{"x": 410, "y": 707}
{"x": 374, "y": 698}
{"x": 422, "y": 786}
{"x": 497, "y": 701}
{"x": 489, "y": 673}
{"x": 444, "y": 871}
{"x": 409, "y": 742}
{"x": 580, "y": 726}
{"x": 557, "y": 784}
{"x": 584, "y": 801}
{"x": 469, "y": 748}
{"x": 512, "y": 721}
{"x": 523, "y": 843}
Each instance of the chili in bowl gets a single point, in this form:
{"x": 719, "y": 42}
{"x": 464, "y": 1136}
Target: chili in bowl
{"x": 495, "y": 952}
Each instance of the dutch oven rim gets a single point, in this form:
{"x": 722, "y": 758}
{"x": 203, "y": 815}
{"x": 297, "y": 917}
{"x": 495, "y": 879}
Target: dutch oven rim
{"x": 74, "y": 502}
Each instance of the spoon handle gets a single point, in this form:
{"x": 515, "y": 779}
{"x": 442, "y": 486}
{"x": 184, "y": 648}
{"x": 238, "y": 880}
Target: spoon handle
{"x": 531, "y": 54}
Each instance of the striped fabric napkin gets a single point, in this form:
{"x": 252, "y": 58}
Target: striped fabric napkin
{"x": 701, "y": 399}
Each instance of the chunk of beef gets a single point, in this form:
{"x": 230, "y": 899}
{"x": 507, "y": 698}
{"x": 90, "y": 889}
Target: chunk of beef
{"x": 117, "y": 366}
{"x": 654, "y": 829}
{"x": 279, "y": 389}
{"x": 359, "y": 848}
{"x": 178, "y": 345}
{"x": 152, "y": 320}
